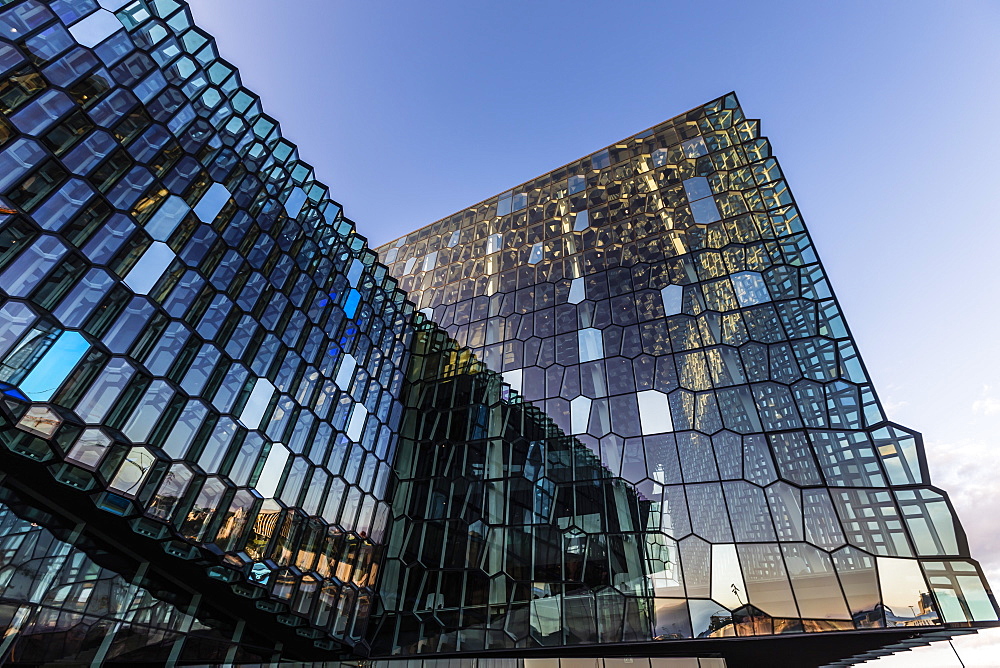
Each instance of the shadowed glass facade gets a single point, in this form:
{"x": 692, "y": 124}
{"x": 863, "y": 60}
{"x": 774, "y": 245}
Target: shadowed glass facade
{"x": 198, "y": 353}
{"x": 628, "y": 418}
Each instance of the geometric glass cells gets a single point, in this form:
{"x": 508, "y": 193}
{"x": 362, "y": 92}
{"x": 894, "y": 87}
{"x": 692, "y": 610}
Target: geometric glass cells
{"x": 151, "y": 265}
{"x": 673, "y": 299}
{"x": 750, "y": 288}
{"x": 694, "y": 147}
{"x": 167, "y": 218}
{"x": 639, "y": 417}
{"x": 293, "y": 205}
{"x": 591, "y": 344}
{"x": 95, "y": 28}
{"x": 211, "y": 203}
{"x": 654, "y": 412}
{"x": 54, "y": 366}
{"x": 257, "y": 403}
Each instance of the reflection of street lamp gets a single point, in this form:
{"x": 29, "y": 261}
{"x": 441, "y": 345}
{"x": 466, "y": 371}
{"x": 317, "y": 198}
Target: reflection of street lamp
{"x": 912, "y": 611}
{"x": 139, "y": 463}
{"x": 736, "y": 592}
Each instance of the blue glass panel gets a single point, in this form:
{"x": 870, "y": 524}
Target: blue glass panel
{"x": 697, "y": 188}
{"x": 695, "y": 148}
{"x": 352, "y": 303}
{"x": 750, "y": 288}
{"x": 16, "y": 160}
{"x": 42, "y": 112}
{"x": 705, "y": 211}
{"x": 9, "y": 57}
{"x": 503, "y": 206}
{"x": 600, "y": 160}
{"x": 211, "y": 203}
{"x": 64, "y": 204}
{"x": 71, "y": 10}
{"x": 53, "y": 368}
{"x": 149, "y": 268}
{"x": 150, "y": 86}
{"x": 167, "y": 218}
{"x": 295, "y": 201}
{"x": 96, "y": 28}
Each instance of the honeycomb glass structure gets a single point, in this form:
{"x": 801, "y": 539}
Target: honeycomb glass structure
{"x": 613, "y": 411}
{"x": 198, "y": 353}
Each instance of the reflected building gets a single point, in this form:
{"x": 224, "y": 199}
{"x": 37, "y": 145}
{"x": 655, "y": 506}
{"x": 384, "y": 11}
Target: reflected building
{"x": 614, "y": 411}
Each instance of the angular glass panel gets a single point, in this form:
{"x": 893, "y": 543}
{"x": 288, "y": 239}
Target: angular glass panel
{"x": 580, "y": 412}
{"x": 260, "y": 398}
{"x": 930, "y": 521}
{"x": 537, "y": 254}
{"x": 768, "y": 586}
{"x": 673, "y": 299}
{"x": 95, "y": 28}
{"x": 430, "y": 261}
{"x": 89, "y": 448}
{"x": 148, "y": 411}
{"x": 15, "y": 318}
{"x": 270, "y": 474}
{"x": 591, "y": 344}
{"x": 705, "y": 211}
{"x": 899, "y": 453}
{"x": 357, "y": 423}
{"x": 345, "y": 374}
{"x": 697, "y": 188}
{"x": 187, "y": 427}
{"x": 40, "y": 421}
{"x": 132, "y": 472}
{"x": 727, "y": 578}
{"x": 211, "y": 202}
{"x": 577, "y": 291}
{"x": 293, "y": 205}
{"x": 905, "y": 593}
{"x": 150, "y": 267}
{"x": 513, "y": 377}
{"x": 814, "y": 580}
{"x": 976, "y": 598}
{"x": 654, "y": 412}
{"x": 352, "y": 303}
{"x": 55, "y": 366}
{"x": 750, "y": 288}
{"x": 167, "y": 218}
{"x": 694, "y": 147}
{"x": 503, "y": 206}
{"x": 860, "y": 582}
{"x": 494, "y": 243}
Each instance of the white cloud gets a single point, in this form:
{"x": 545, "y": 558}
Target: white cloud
{"x": 967, "y": 471}
{"x": 890, "y": 401}
{"x": 986, "y": 404}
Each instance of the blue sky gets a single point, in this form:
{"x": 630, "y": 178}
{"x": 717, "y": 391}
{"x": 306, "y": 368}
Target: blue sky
{"x": 882, "y": 115}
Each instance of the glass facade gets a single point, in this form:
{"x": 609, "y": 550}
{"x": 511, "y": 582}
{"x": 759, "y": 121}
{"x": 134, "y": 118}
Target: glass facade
{"x": 198, "y": 354}
{"x": 616, "y": 406}
{"x": 661, "y": 303}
